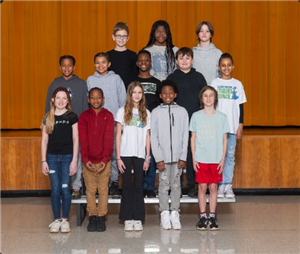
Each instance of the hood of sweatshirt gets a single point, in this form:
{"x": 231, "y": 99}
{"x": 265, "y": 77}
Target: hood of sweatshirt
{"x": 179, "y": 72}
{"x": 103, "y": 111}
{"x": 210, "y": 47}
{"x": 62, "y": 79}
{"x": 97, "y": 75}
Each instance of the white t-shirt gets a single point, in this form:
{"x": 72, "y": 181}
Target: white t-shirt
{"x": 133, "y": 138}
{"x": 230, "y": 95}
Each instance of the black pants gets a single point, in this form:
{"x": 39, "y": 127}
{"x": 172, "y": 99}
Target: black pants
{"x": 132, "y": 202}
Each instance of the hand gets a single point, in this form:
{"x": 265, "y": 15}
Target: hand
{"x": 196, "y": 166}
{"x": 239, "y": 133}
{"x": 181, "y": 164}
{"x": 121, "y": 166}
{"x": 73, "y": 168}
{"x": 146, "y": 166}
{"x": 161, "y": 166}
{"x": 90, "y": 166}
{"x": 102, "y": 166}
{"x": 221, "y": 166}
{"x": 45, "y": 168}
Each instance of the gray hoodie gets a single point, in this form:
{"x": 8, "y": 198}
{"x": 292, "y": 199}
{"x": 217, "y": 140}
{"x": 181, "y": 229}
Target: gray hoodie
{"x": 206, "y": 61}
{"x": 169, "y": 133}
{"x": 113, "y": 89}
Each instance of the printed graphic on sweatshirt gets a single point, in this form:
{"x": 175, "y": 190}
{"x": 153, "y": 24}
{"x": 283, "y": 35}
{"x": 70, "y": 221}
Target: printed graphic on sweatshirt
{"x": 227, "y": 92}
{"x": 149, "y": 87}
{"x": 70, "y": 92}
{"x": 207, "y": 132}
{"x": 135, "y": 121}
{"x": 159, "y": 62}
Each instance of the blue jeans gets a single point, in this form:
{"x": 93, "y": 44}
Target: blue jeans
{"x": 59, "y": 169}
{"x": 229, "y": 159}
{"x": 149, "y": 177}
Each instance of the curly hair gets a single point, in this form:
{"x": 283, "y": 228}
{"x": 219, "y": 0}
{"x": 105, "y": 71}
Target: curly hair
{"x": 129, "y": 104}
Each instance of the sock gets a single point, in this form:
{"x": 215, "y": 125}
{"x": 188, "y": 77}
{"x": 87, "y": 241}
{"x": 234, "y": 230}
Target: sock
{"x": 203, "y": 215}
{"x": 212, "y": 215}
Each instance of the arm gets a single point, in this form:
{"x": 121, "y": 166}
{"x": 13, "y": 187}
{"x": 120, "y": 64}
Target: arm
{"x": 85, "y": 103}
{"x": 121, "y": 92}
{"x": 185, "y": 139}
{"x": 48, "y": 98}
{"x": 146, "y": 162}
{"x": 120, "y": 163}
{"x": 45, "y": 138}
{"x": 239, "y": 133}
{"x": 193, "y": 149}
{"x": 108, "y": 139}
{"x": 73, "y": 165}
{"x": 222, "y": 162}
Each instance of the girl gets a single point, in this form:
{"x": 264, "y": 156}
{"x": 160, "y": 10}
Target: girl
{"x": 208, "y": 145}
{"x": 162, "y": 50}
{"x": 59, "y": 155}
{"x": 206, "y": 55}
{"x": 133, "y": 149}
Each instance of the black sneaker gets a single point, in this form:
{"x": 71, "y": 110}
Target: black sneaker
{"x": 76, "y": 194}
{"x": 202, "y": 224}
{"x": 114, "y": 190}
{"x": 101, "y": 226}
{"x": 92, "y": 227}
{"x": 193, "y": 193}
{"x": 150, "y": 194}
{"x": 212, "y": 224}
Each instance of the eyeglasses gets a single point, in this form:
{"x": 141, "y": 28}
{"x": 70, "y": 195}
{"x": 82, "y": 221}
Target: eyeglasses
{"x": 160, "y": 32}
{"x": 121, "y": 36}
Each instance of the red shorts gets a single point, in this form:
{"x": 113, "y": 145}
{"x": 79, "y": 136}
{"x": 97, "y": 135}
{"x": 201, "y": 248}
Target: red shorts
{"x": 208, "y": 173}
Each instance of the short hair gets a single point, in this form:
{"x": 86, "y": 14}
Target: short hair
{"x": 226, "y": 55}
{"x": 210, "y": 28}
{"x": 120, "y": 26}
{"x": 67, "y": 57}
{"x": 202, "y": 91}
{"x": 185, "y": 51}
{"x": 102, "y": 54}
{"x": 97, "y": 89}
{"x": 143, "y": 51}
{"x": 168, "y": 82}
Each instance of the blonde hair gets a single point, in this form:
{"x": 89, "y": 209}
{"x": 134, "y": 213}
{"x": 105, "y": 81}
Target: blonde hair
{"x": 129, "y": 104}
{"x": 49, "y": 118}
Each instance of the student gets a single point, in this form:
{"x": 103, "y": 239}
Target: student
{"x": 150, "y": 86}
{"x": 162, "y": 50}
{"x": 209, "y": 129}
{"x": 189, "y": 83}
{"x": 231, "y": 97}
{"x": 122, "y": 59}
{"x": 114, "y": 90}
{"x": 78, "y": 94}
{"x": 96, "y": 135}
{"x": 169, "y": 139}
{"x": 206, "y": 55}
{"x": 59, "y": 151}
{"x": 133, "y": 150}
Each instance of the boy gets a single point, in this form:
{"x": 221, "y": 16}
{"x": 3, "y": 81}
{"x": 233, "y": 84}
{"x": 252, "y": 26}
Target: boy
{"x": 169, "y": 140}
{"x": 96, "y": 135}
{"x": 122, "y": 59}
{"x": 114, "y": 89}
{"x": 189, "y": 83}
{"x": 78, "y": 93}
{"x": 150, "y": 86}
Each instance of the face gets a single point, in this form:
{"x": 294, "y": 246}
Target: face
{"x": 168, "y": 95}
{"x": 144, "y": 62}
{"x": 67, "y": 68}
{"x": 96, "y": 99}
{"x": 204, "y": 34}
{"x": 208, "y": 98}
{"x": 160, "y": 36}
{"x": 102, "y": 65}
{"x": 61, "y": 100}
{"x": 137, "y": 95}
{"x": 121, "y": 38}
{"x": 226, "y": 67}
{"x": 184, "y": 63}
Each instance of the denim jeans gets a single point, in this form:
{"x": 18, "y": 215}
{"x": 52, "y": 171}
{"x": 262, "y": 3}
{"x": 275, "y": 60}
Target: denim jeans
{"x": 114, "y": 167}
{"x": 229, "y": 159}
{"x": 59, "y": 169}
{"x": 149, "y": 177}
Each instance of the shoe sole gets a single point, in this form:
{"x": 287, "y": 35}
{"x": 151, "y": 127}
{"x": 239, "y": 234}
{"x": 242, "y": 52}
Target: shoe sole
{"x": 202, "y": 229}
{"x": 231, "y": 196}
{"x": 52, "y": 231}
{"x": 138, "y": 229}
{"x": 65, "y": 231}
{"x": 214, "y": 229}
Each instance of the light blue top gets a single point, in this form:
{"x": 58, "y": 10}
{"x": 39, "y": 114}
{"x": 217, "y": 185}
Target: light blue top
{"x": 209, "y": 136}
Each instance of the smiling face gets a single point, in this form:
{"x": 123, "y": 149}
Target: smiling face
{"x": 144, "y": 62}
{"x": 160, "y": 36}
{"x": 167, "y": 94}
{"x": 204, "y": 34}
{"x": 60, "y": 100}
{"x": 67, "y": 68}
{"x": 226, "y": 67}
{"x": 208, "y": 98}
{"x": 96, "y": 99}
{"x": 137, "y": 95}
{"x": 121, "y": 37}
{"x": 184, "y": 62}
{"x": 102, "y": 65}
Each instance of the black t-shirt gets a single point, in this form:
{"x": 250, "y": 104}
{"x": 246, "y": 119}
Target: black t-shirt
{"x": 61, "y": 139}
{"x": 150, "y": 86}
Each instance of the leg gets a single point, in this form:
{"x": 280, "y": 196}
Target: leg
{"x": 114, "y": 179}
{"x": 149, "y": 178}
{"x": 175, "y": 174}
{"x": 103, "y": 181}
{"x": 212, "y": 197}
{"x": 163, "y": 189}
{"x": 229, "y": 160}
{"x": 76, "y": 179}
{"x": 202, "y": 188}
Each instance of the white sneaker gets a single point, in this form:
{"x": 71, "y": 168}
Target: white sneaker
{"x": 221, "y": 191}
{"x": 228, "y": 191}
{"x": 165, "y": 221}
{"x": 175, "y": 220}
{"x": 137, "y": 225}
{"x": 128, "y": 225}
{"x": 65, "y": 226}
{"x": 55, "y": 226}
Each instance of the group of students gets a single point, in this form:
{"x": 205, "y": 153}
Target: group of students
{"x": 127, "y": 127}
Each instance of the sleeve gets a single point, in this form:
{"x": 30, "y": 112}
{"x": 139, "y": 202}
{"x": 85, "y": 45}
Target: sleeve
{"x": 121, "y": 92}
{"x": 85, "y": 103}
{"x": 241, "y": 119}
{"x": 108, "y": 138}
{"x": 135, "y": 70}
{"x": 83, "y": 138}
{"x": 148, "y": 120}
{"x": 242, "y": 94}
{"x": 120, "y": 116}
{"x": 225, "y": 124}
{"x": 73, "y": 118}
{"x": 48, "y": 98}
{"x": 88, "y": 83}
{"x": 185, "y": 135}
{"x": 192, "y": 124}
{"x": 155, "y": 144}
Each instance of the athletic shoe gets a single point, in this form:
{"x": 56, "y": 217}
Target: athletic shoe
{"x": 65, "y": 226}
{"x": 76, "y": 194}
{"x": 193, "y": 193}
{"x": 165, "y": 220}
{"x": 228, "y": 191}
{"x": 92, "y": 226}
{"x": 202, "y": 224}
{"x": 175, "y": 220}
{"x": 137, "y": 225}
{"x": 221, "y": 191}
{"x": 150, "y": 194}
{"x": 212, "y": 224}
{"x": 101, "y": 226}
{"x": 114, "y": 190}
{"x": 55, "y": 226}
{"x": 128, "y": 225}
